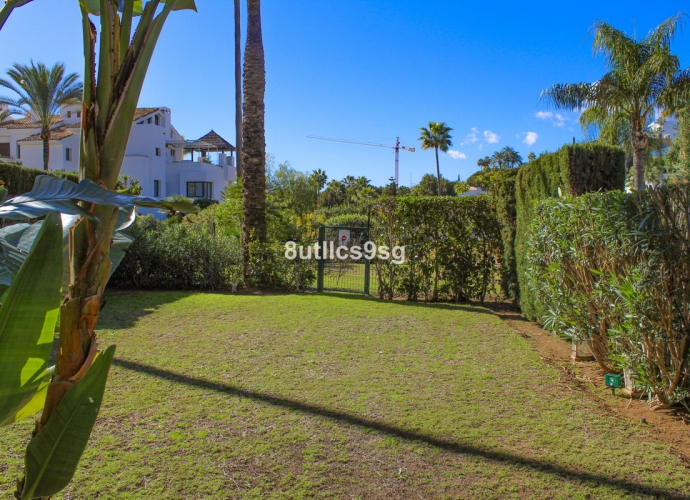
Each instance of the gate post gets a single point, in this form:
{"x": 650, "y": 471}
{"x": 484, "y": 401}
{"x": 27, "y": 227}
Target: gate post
{"x": 367, "y": 269}
{"x": 319, "y": 275}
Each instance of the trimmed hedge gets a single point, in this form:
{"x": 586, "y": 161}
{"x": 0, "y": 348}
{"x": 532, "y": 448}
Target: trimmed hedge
{"x": 503, "y": 191}
{"x": 19, "y": 180}
{"x": 452, "y": 246}
{"x": 571, "y": 171}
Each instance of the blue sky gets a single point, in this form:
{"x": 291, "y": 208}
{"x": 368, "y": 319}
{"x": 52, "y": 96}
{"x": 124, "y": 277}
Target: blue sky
{"x": 370, "y": 71}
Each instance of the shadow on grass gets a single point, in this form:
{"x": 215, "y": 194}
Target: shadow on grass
{"x": 474, "y": 308}
{"x": 123, "y": 308}
{"x": 410, "y": 436}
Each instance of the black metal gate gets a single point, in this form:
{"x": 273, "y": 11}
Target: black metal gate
{"x": 339, "y": 269}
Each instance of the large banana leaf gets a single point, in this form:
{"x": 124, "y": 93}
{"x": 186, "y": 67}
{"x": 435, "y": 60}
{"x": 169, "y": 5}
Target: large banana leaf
{"x": 16, "y": 241}
{"x": 51, "y": 194}
{"x": 7, "y": 9}
{"x": 94, "y": 6}
{"x": 27, "y": 322}
{"x": 53, "y": 454}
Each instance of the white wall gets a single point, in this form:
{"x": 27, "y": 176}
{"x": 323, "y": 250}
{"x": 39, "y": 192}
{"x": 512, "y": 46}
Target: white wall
{"x": 180, "y": 173}
{"x": 32, "y": 155}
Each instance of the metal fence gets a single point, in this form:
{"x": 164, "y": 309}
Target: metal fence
{"x": 338, "y": 269}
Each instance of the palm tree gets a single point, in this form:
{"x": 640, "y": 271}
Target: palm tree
{"x": 642, "y": 77}
{"x": 510, "y": 158}
{"x": 238, "y": 90}
{"x": 42, "y": 92}
{"x": 531, "y": 156}
{"x": 436, "y": 136}
{"x": 485, "y": 163}
{"x": 319, "y": 179}
{"x": 253, "y": 131}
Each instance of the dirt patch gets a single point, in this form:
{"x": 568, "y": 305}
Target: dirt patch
{"x": 671, "y": 426}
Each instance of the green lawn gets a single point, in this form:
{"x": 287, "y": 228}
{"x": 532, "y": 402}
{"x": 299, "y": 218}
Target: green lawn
{"x": 338, "y": 396}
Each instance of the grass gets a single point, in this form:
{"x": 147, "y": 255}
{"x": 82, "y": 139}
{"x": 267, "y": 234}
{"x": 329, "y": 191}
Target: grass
{"x": 338, "y": 396}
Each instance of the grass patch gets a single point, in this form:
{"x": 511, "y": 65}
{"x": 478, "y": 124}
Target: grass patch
{"x": 341, "y": 396}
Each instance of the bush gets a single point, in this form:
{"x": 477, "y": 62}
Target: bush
{"x": 572, "y": 171}
{"x": 178, "y": 255}
{"x": 271, "y": 269}
{"x": 19, "y": 180}
{"x": 453, "y": 247}
{"x": 348, "y": 220}
{"x": 613, "y": 269}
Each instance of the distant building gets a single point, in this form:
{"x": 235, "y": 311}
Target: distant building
{"x": 473, "y": 191}
{"x": 155, "y": 152}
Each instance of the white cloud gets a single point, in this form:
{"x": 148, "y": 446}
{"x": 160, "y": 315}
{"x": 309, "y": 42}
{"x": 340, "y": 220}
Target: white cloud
{"x": 456, "y": 155}
{"x": 530, "y": 138}
{"x": 558, "y": 120}
{"x": 471, "y": 137}
{"x": 491, "y": 138}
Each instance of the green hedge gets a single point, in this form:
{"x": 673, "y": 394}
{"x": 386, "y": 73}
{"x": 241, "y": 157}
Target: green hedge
{"x": 172, "y": 254}
{"x": 613, "y": 269}
{"x": 19, "y": 180}
{"x": 571, "y": 171}
{"x": 452, "y": 247}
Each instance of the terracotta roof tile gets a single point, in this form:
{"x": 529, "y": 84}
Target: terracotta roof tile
{"x": 25, "y": 123}
{"x": 216, "y": 142}
{"x": 142, "y": 112}
{"x": 56, "y": 134}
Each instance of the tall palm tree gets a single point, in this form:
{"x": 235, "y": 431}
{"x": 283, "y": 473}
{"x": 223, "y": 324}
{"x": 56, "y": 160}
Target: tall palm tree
{"x": 319, "y": 179}
{"x": 485, "y": 163}
{"x": 436, "y": 136}
{"x": 509, "y": 158}
{"x": 42, "y": 92}
{"x": 642, "y": 77}
{"x": 254, "y": 134}
{"x": 238, "y": 89}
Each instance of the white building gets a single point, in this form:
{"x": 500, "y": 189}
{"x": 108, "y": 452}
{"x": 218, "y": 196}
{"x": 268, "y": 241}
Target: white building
{"x": 154, "y": 156}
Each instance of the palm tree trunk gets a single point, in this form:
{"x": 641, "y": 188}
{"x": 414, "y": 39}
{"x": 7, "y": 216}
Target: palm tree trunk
{"x": 238, "y": 90}
{"x": 46, "y": 149}
{"x": 438, "y": 173}
{"x": 639, "y": 144}
{"x": 254, "y": 135}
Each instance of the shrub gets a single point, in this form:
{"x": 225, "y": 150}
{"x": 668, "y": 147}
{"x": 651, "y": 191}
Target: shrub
{"x": 614, "y": 269}
{"x": 573, "y": 170}
{"x": 19, "y": 180}
{"x": 350, "y": 220}
{"x": 271, "y": 269}
{"x": 453, "y": 246}
{"x": 177, "y": 255}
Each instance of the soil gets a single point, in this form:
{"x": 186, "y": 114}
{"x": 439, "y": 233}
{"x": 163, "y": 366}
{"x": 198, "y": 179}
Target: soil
{"x": 670, "y": 426}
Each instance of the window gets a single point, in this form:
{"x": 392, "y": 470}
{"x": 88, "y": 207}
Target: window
{"x": 68, "y": 154}
{"x": 148, "y": 120}
{"x": 141, "y": 122}
{"x": 158, "y": 151}
{"x": 78, "y": 114}
{"x": 156, "y": 188}
{"x": 19, "y": 151}
{"x": 69, "y": 114}
{"x": 172, "y": 153}
{"x": 158, "y": 119}
{"x": 5, "y": 149}
{"x": 200, "y": 189}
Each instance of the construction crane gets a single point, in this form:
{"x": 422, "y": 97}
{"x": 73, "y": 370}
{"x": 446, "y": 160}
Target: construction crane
{"x": 397, "y": 148}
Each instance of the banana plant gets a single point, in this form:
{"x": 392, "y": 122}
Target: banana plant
{"x": 113, "y": 78}
{"x": 7, "y": 9}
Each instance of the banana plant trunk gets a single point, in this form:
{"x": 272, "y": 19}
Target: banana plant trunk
{"x": 111, "y": 92}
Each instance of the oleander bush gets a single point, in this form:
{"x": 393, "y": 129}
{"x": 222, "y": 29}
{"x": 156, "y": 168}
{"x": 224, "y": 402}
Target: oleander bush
{"x": 573, "y": 170}
{"x": 614, "y": 269}
{"x": 178, "y": 254}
